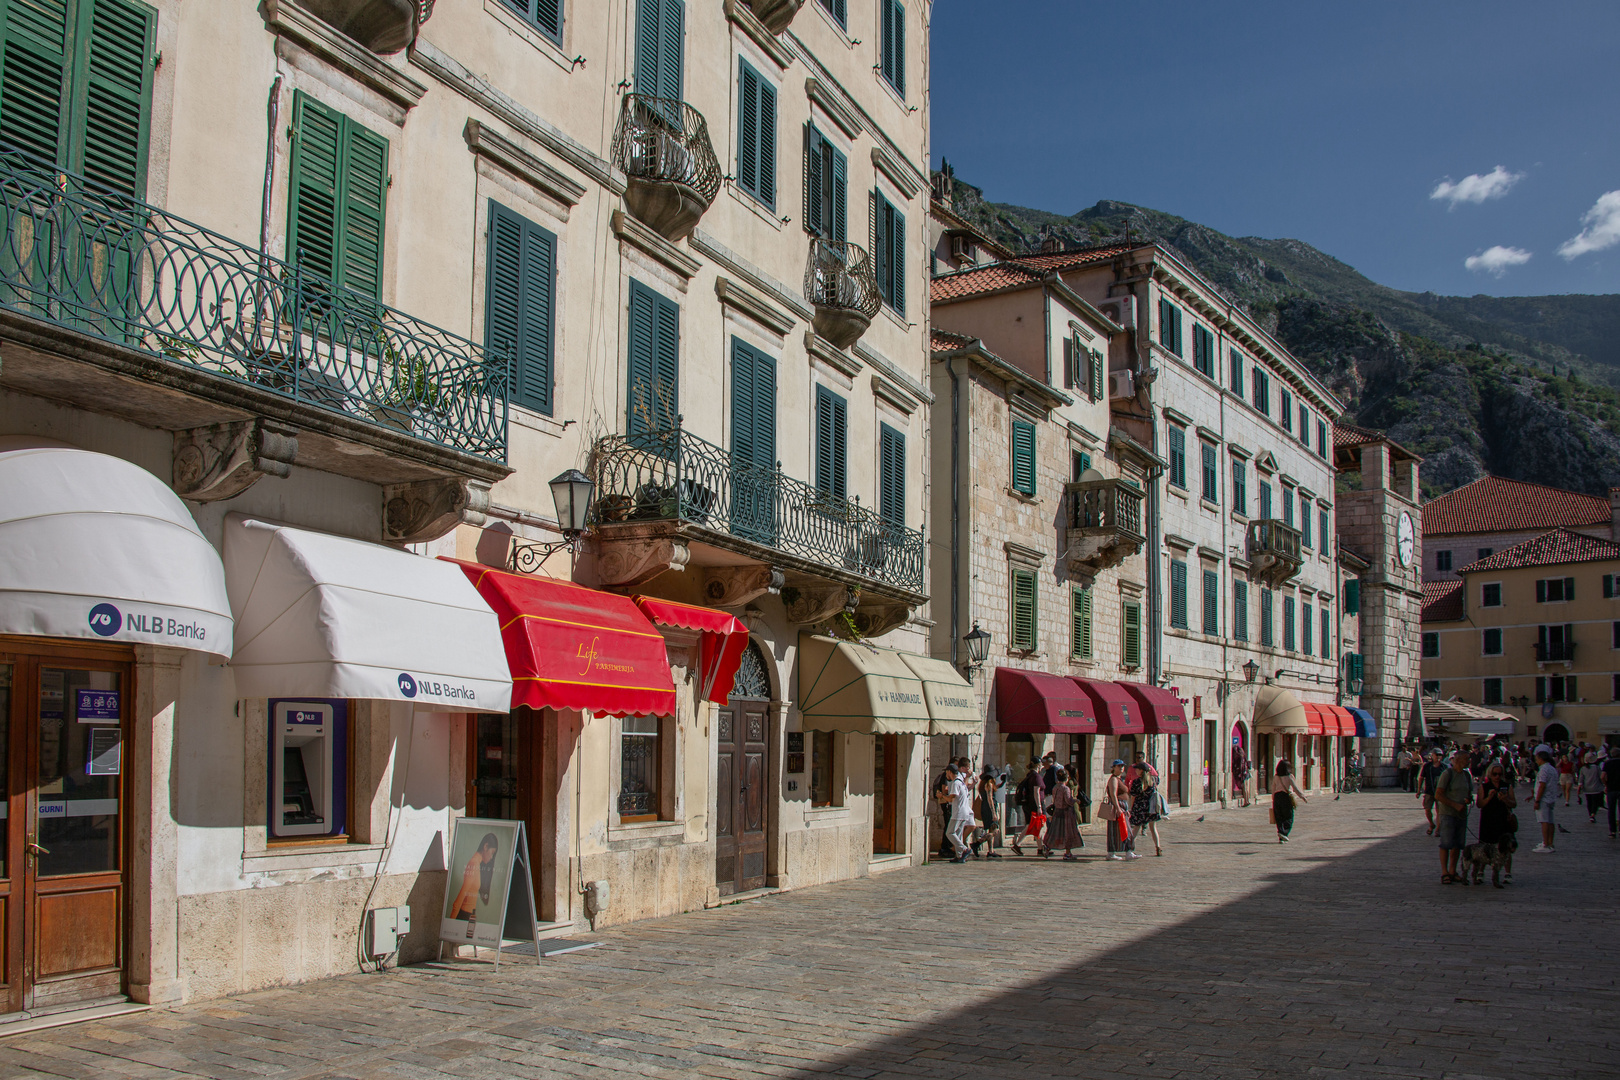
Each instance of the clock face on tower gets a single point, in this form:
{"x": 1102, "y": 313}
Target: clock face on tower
{"x": 1405, "y": 539}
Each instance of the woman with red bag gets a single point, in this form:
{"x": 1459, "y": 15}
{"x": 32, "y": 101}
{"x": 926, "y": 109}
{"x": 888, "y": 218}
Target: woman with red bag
{"x": 1115, "y": 812}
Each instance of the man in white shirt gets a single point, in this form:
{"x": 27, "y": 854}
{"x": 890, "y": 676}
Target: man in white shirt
{"x": 961, "y": 814}
{"x": 1546, "y": 792}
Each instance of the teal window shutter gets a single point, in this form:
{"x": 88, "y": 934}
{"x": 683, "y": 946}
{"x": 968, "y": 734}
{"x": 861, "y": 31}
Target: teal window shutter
{"x": 815, "y": 181}
{"x": 339, "y": 189}
{"x": 1237, "y": 372}
{"x": 832, "y": 444}
{"x": 1212, "y": 602}
{"x": 544, "y": 15}
{"x": 1240, "y": 487}
{"x": 1240, "y": 610}
{"x": 35, "y": 80}
{"x": 1267, "y": 627}
{"x": 1305, "y": 628}
{"x": 1023, "y": 457}
{"x": 1305, "y": 522}
{"x": 365, "y": 196}
{"x": 660, "y": 46}
{"x": 837, "y": 220}
{"x": 1211, "y": 470}
{"x": 891, "y": 476}
{"x": 1288, "y": 623}
{"x": 889, "y": 251}
{"x": 1131, "y": 636}
{"x": 1178, "y": 594}
{"x": 1080, "y": 610}
{"x": 1176, "y": 439}
{"x": 839, "y": 10}
{"x": 520, "y": 291}
{"x": 753, "y": 406}
{"x": 1327, "y": 634}
{"x": 652, "y": 362}
{"x": 1023, "y": 610}
{"x": 756, "y": 135}
{"x": 1098, "y": 364}
{"x": 1352, "y": 596}
{"x": 893, "y": 32}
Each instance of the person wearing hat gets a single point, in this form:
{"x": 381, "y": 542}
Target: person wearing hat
{"x": 1115, "y": 809}
{"x": 1546, "y": 795}
{"x": 1591, "y": 778}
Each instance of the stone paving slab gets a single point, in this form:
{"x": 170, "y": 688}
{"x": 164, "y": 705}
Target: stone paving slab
{"x": 1232, "y": 957}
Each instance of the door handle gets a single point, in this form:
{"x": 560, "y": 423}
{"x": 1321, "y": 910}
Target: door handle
{"x": 34, "y": 849}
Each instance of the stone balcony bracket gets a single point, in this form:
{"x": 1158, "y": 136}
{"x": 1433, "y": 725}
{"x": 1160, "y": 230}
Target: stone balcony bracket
{"x": 221, "y": 461}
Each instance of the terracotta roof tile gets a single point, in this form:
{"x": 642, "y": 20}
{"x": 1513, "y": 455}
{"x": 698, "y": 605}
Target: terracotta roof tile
{"x": 1555, "y": 548}
{"x": 1493, "y": 504}
{"x": 945, "y": 341}
{"x": 1068, "y": 260}
{"x": 1442, "y": 601}
{"x": 1350, "y": 435}
{"x": 979, "y": 280}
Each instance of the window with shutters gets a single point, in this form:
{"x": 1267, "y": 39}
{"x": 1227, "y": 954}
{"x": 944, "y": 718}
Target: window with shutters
{"x": 660, "y": 48}
{"x": 1096, "y": 371}
{"x": 1240, "y": 610}
{"x": 1212, "y": 602}
{"x": 1080, "y": 616}
{"x": 1304, "y": 425}
{"x": 1267, "y": 628}
{"x": 338, "y": 176}
{"x": 1285, "y": 409}
{"x": 1262, "y": 390}
{"x": 520, "y": 288}
{"x": 1240, "y": 486}
{"x": 1203, "y": 351}
{"x": 1491, "y": 641}
{"x": 1327, "y": 634}
{"x": 1265, "y": 499}
{"x": 826, "y": 187}
{"x": 1288, "y": 623}
{"x": 1079, "y": 463}
{"x": 1611, "y": 586}
{"x": 1555, "y": 590}
{"x": 1131, "y": 634}
{"x": 1211, "y": 471}
{"x": 1023, "y": 457}
{"x": 76, "y": 86}
{"x": 838, "y": 9}
{"x": 1352, "y": 596}
{"x": 832, "y": 444}
{"x": 1170, "y": 326}
{"x": 753, "y": 443}
{"x": 1023, "y": 611}
{"x": 891, "y": 476}
{"x": 892, "y": 44}
{"x": 1236, "y": 365}
{"x": 1321, "y": 439}
{"x": 653, "y": 353}
{"x": 1178, "y": 594}
{"x": 1322, "y": 529}
{"x": 1354, "y": 667}
{"x": 1493, "y": 691}
{"x": 545, "y": 16}
{"x": 1288, "y": 505}
{"x": 1490, "y": 595}
{"x": 1176, "y": 442}
{"x": 888, "y": 228}
{"x": 1306, "y": 625}
{"x": 756, "y": 134}
{"x": 1442, "y": 560}
{"x": 1305, "y": 522}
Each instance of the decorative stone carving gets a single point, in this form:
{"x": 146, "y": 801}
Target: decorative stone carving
{"x": 223, "y": 460}
{"x": 383, "y": 26}
{"x": 875, "y": 620}
{"x": 630, "y": 562}
{"x": 423, "y": 511}
{"x": 818, "y": 603}
{"x": 733, "y": 586}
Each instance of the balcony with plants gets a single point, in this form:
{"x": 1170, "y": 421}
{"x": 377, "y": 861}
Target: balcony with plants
{"x": 117, "y": 306}
{"x": 672, "y": 176}
{"x": 841, "y": 284}
{"x": 1275, "y": 553}
{"x": 1103, "y": 523}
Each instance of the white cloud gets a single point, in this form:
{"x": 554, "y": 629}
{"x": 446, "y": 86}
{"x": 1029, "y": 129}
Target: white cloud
{"x": 1602, "y": 228}
{"x": 1476, "y": 187}
{"x": 1496, "y": 260}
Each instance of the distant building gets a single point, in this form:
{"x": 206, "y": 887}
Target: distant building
{"x": 1493, "y": 514}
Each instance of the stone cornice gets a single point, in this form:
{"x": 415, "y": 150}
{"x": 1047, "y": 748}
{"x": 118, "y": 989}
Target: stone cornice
{"x": 637, "y": 235}
{"x": 288, "y": 20}
{"x": 833, "y": 106}
{"x": 889, "y": 165}
{"x": 490, "y": 144}
{"x": 745, "y": 20}
{"x": 753, "y": 305}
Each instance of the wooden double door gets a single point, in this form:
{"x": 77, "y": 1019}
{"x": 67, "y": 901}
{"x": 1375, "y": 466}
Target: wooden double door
{"x": 742, "y": 794}
{"x": 506, "y": 780}
{"x": 64, "y": 722}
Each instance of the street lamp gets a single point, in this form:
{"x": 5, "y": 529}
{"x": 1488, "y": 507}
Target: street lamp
{"x": 571, "y": 495}
{"x": 978, "y": 648}
{"x": 1250, "y": 670}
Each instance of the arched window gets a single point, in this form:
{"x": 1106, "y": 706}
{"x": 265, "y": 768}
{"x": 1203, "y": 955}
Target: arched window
{"x": 753, "y": 677}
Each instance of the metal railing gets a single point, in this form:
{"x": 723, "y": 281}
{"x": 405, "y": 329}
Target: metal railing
{"x": 1554, "y": 651}
{"x": 1105, "y": 506}
{"x": 101, "y": 263}
{"x": 665, "y": 140}
{"x": 840, "y": 275}
{"x": 673, "y": 475}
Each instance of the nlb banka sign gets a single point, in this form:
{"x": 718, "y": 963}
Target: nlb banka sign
{"x": 412, "y": 687}
{"x": 106, "y": 620}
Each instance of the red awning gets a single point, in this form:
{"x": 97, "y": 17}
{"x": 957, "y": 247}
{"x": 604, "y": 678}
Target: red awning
{"x": 1035, "y": 703}
{"x": 724, "y": 638}
{"x": 1162, "y": 713}
{"x": 1117, "y": 712}
{"x": 1347, "y": 722}
{"x": 570, "y": 647}
{"x": 1320, "y": 724}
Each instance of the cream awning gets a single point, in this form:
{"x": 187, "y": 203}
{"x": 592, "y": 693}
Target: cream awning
{"x": 1275, "y": 709}
{"x": 329, "y": 617}
{"x": 97, "y": 547}
{"x": 857, "y": 686}
{"x": 952, "y": 707}
{"x": 1461, "y": 718}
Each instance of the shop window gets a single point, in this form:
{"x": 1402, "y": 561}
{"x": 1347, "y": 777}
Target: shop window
{"x": 309, "y": 769}
{"x": 823, "y": 770}
{"x": 640, "y": 766}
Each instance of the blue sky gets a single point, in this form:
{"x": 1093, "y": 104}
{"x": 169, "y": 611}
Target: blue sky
{"x": 1333, "y": 123}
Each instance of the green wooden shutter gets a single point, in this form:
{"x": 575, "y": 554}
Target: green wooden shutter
{"x": 1023, "y": 609}
{"x": 314, "y": 216}
{"x": 34, "y": 77}
{"x": 815, "y": 167}
{"x": 545, "y": 15}
{"x": 1288, "y": 623}
{"x": 503, "y": 289}
{"x": 1096, "y": 373}
{"x": 893, "y": 32}
{"x": 112, "y": 114}
{"x": 897, "y": 257}
{"x": 519, "y": 306}
{"x": 667, "y": 363}
{"x": 838, "y": 190}
{"x": 652, "y": 362}
{"x": 660, "y": 45}
{"x": 1240, "y": 610}
{"x": 365, "y": 196}
{"x": 1178, "y": 594}
{"x": 753, "y": 406}
{"x": 1267, "y": 625}
{"x": 1071, "y": 353}
{"x": 1132, "y": 637}
{"x": 648, "y": 46}
{"x": 1352, "y": 596}
{"x": 1212, "y": 602}
{"x": 832, "y": 435}
{"x": 1306, "y": 623}
{"x": 756, "y": 135}
{"x": 1327, "y": 634}
{"x": 1080, "y": 609}
{"x": 891, "y": 476}
{"x": 1023, "y": 457}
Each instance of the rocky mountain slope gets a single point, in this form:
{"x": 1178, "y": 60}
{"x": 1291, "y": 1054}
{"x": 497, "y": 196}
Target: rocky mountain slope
{"x": 1522, "y": 387}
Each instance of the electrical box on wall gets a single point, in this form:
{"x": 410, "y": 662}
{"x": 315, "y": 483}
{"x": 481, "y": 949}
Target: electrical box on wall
{"x": 302, "y": 762}
{"x": 385, "y": 928}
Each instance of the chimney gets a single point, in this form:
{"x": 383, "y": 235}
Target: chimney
{"x": 1051, "y": 244}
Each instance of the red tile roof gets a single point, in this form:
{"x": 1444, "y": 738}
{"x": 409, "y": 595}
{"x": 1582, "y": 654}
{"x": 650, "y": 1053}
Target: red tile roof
{"x": 945, "y": 341}
{"x": 1493, "y": 504}
{"x": 1555, "y": 548}
{"x": 1350, "y": 435}
{"x": 1069, "y": 260}
{"x": 1024, "y": 271}
{"x": 1442, "y": 601}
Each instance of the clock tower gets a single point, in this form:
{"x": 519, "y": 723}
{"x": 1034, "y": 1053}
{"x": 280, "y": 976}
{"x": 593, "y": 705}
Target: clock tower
{"x": 1380, "y": 523}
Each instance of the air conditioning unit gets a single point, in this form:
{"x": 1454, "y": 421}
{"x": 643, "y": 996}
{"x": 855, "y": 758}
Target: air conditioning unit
{"x": 963, "y": 249}
{"x": 1121, "y": 309}
{"x": 1121, "y": 384}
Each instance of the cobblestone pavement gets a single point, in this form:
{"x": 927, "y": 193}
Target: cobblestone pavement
{"x": 1338, "y": 954}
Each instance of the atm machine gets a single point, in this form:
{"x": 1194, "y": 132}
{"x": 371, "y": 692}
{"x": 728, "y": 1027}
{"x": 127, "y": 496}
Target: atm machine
{"x": 302, "y": 760}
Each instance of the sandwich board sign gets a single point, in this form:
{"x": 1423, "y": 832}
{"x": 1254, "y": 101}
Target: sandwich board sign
{"x": 489, "y": 896}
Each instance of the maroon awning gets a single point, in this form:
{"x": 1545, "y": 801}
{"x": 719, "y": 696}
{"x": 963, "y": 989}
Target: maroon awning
{"x": 1117, "y": 712}
{"x": 1035, "y": 703}
{"x": 1162, "y": 713}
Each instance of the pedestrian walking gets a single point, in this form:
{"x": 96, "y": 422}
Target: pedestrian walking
{"x": 1028, "y": 795}
{"x": 1498, "y": 824}
{"x": 1611, "y": 786}
{"x": 1566, "y": 776}
{"x": 988, "y": 786}
{"x": 961, "y": 814}
{"x": 1592, "y": 786}
{"x": 1453, "y": 791}
{"x": 1283, "y": 790}
{"x": 1403, "y": 769}
{"x": 942, "y": 797}
{"x": 1427, "y": 776}
{"x": 1115, "y": 812}
{"x": 1144, "y": 808}
{"x": 1063, "y": 827}
{"x": 1240, "y": 773}
{"x": 1546, "y": 797}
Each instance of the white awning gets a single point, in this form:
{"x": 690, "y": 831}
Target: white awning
{"x": 952, "y": 707}
{"x": 1276, "y": 710}
{"x": 329, "y": 617}
{"x": 858, "y": 686}
{"x": 97, "y": 547}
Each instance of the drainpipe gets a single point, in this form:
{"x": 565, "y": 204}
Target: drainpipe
{"x": 1155, "y": 534}
{"x": 958, "y": 368}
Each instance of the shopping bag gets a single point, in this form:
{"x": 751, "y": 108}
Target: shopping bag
{"x": 1271, "y": 815}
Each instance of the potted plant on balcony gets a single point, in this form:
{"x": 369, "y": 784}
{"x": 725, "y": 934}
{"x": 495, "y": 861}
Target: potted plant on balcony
{"x": 414, "y": 397}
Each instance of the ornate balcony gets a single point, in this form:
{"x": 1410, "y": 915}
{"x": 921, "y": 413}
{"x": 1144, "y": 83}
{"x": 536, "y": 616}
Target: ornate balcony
{"x": 775, "y": 14}
{"x": 663, "y": 147}
{"x": 840, "y": 282}
{"x": 383, "y": 26}
{"x": 1274, "y": 551}
{"x": 113, "y": 305}
{"x": 1104, "y": 525}
{"x": 669, "y": 498}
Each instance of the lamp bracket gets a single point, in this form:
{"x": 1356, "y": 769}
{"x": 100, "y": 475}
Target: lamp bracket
{"x": 527, "y": 558}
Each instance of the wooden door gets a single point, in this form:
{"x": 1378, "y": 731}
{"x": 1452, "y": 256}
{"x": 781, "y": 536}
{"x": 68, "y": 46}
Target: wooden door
{"x": 1210, "y": 761}
{"x": 1173, "y": 770}
{"x": 885, "y": 793}
{"x": 506, "y": 780}
{"x": 742, "y": 745}
{"x": 66, "y": 715}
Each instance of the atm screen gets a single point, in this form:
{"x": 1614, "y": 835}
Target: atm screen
{"x": 297, "y": 803}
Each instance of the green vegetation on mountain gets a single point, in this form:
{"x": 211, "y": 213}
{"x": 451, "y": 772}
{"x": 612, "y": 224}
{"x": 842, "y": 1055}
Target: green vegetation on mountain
{"x": 1522, "y": 387}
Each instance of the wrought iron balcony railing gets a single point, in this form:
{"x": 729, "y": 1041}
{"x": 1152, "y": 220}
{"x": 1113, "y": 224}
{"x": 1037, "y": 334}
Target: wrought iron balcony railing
{"x": 663, "y": 147}
{"x": 673, "y": 475}
{"x": 1274, "y": 549}
{"x": 101, "y": 263}
{"x": 1555, "y": 651}
{"x": 840, "y": 281}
